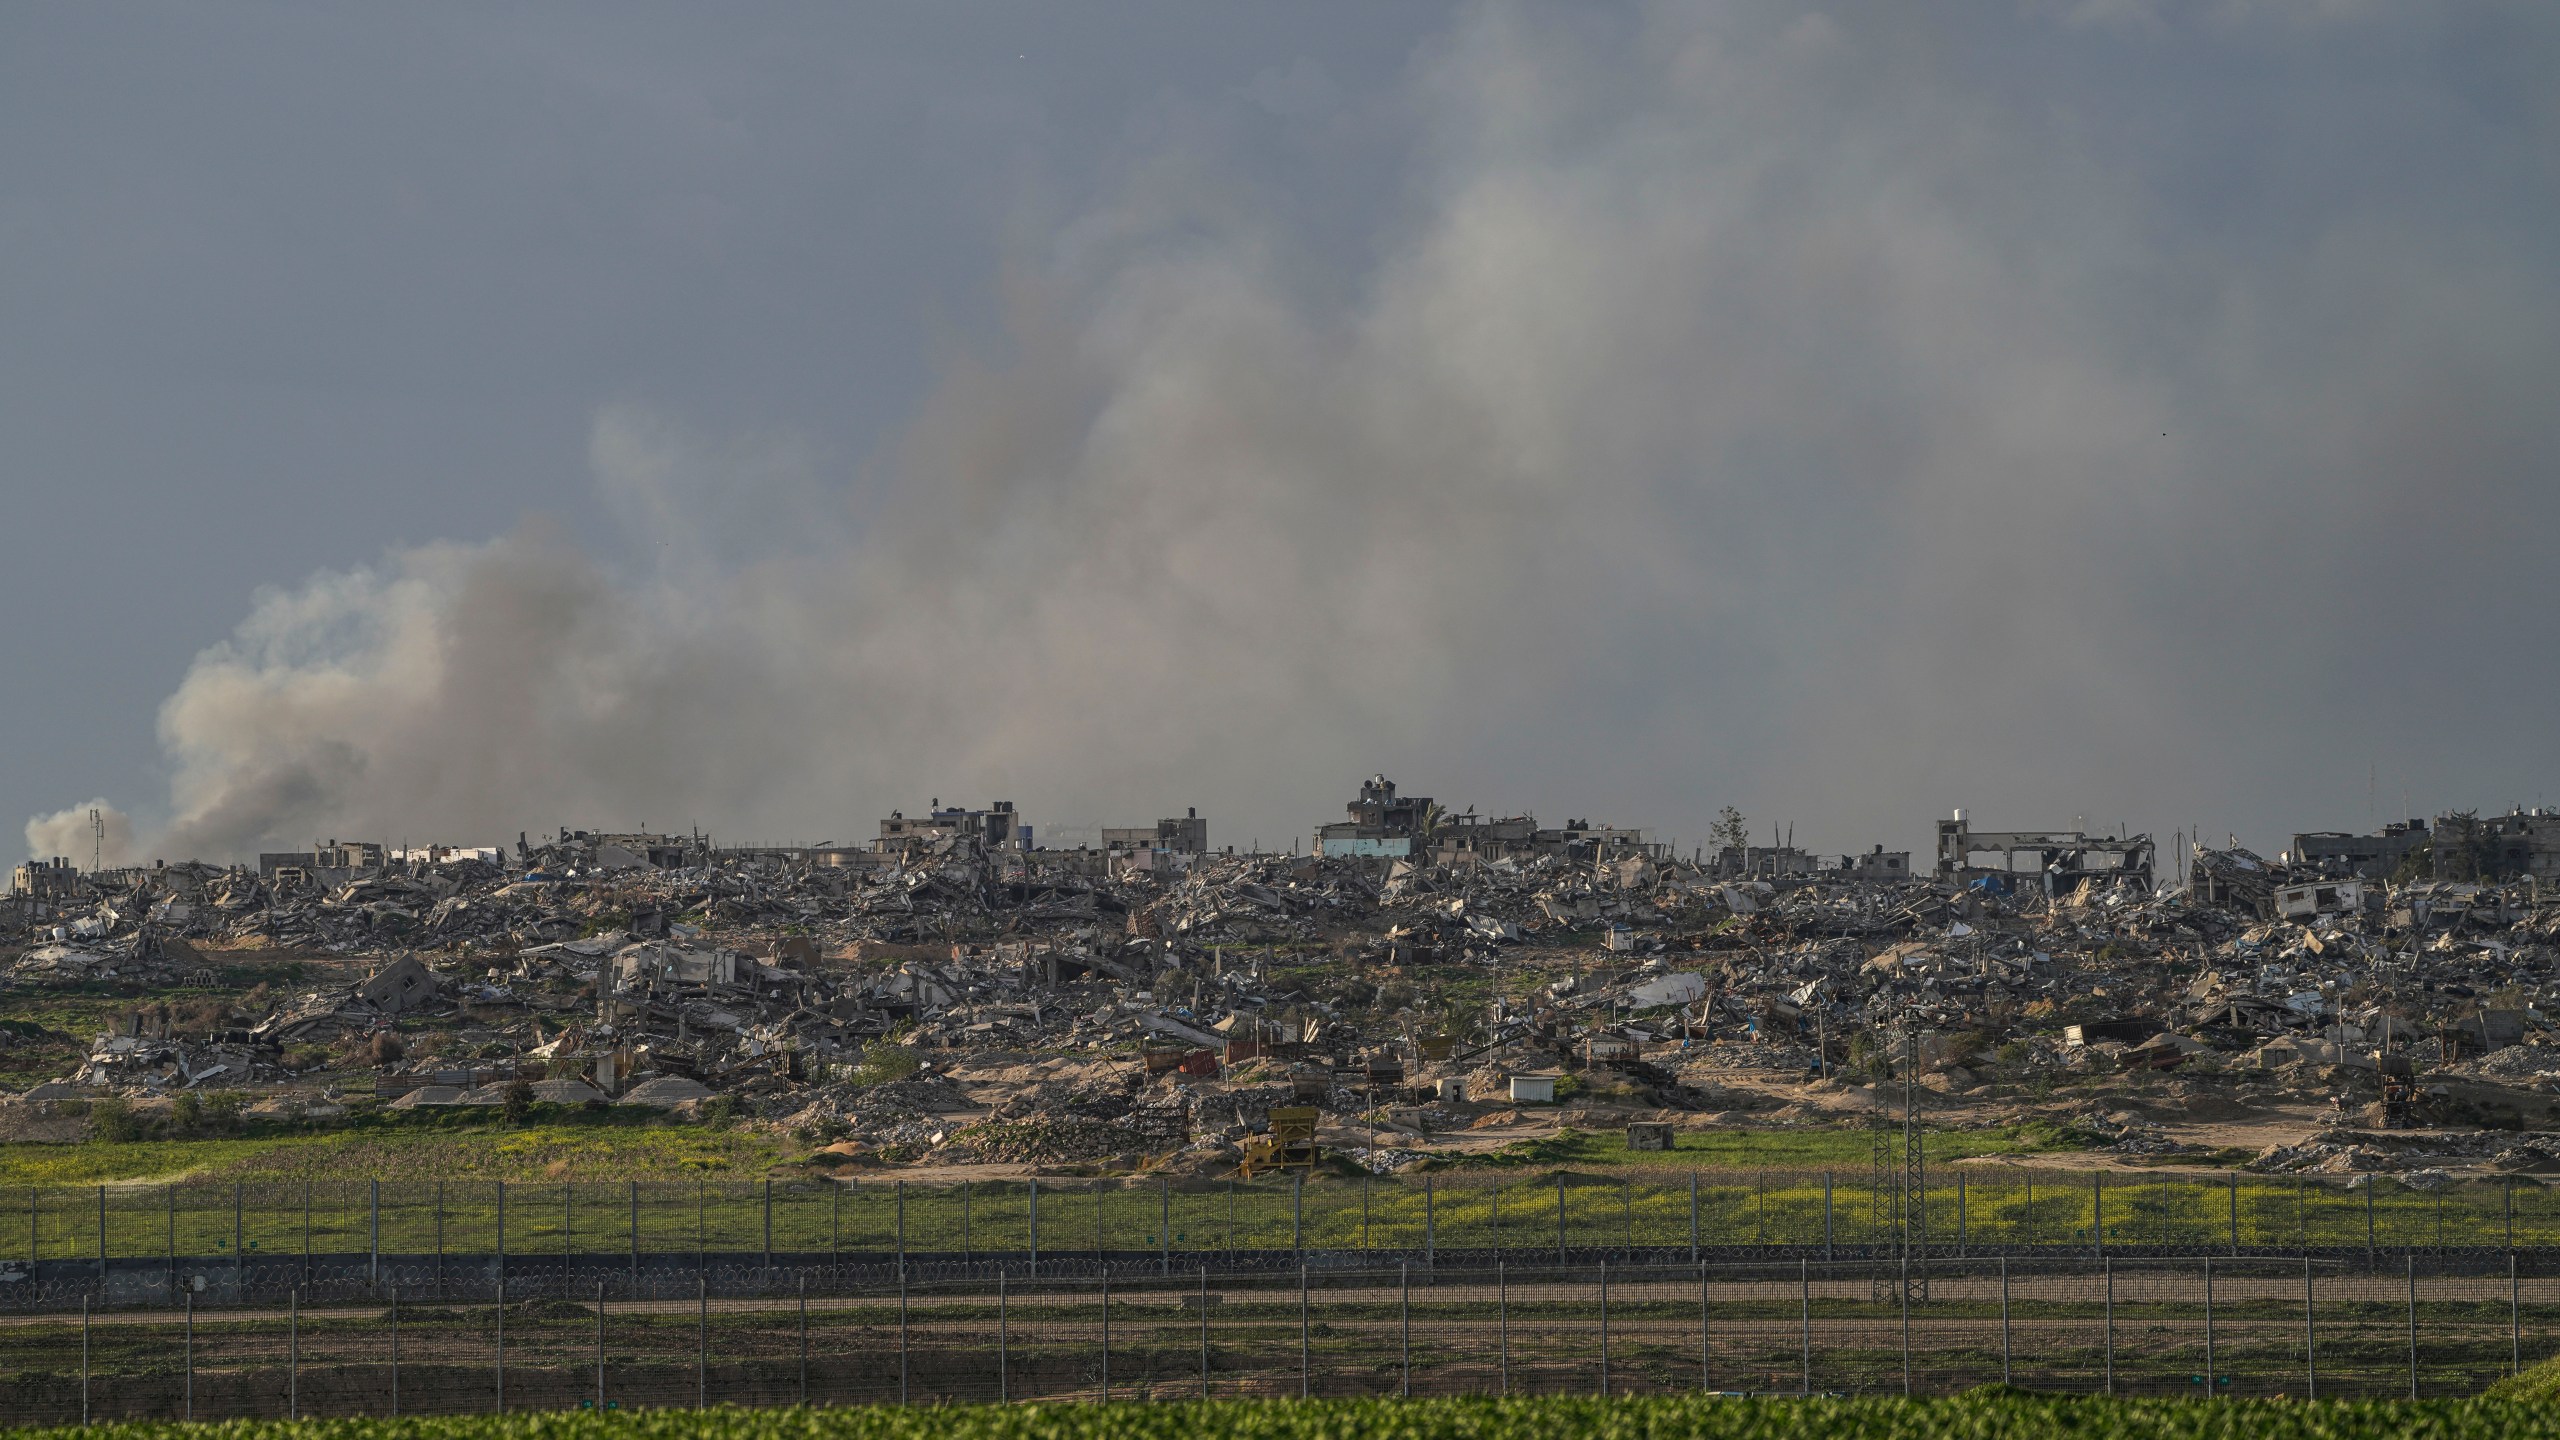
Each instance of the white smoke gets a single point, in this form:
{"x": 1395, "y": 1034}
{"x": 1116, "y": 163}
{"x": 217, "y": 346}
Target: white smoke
{"x": 1747, "y": 409}
{"x": 95, "y": 834}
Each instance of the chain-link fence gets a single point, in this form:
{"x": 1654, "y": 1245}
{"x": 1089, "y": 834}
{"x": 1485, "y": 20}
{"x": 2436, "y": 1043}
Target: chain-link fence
{"x": 2125, "y": 1326}
{"x": 250, "y": 1242}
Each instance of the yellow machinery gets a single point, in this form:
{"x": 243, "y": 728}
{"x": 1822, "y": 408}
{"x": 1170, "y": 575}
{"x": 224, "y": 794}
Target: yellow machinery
{"x": 1290, "y": 1144}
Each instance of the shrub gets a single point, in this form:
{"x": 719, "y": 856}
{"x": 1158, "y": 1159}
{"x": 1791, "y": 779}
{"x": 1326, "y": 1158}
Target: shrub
{"x": 113, "y": 1120}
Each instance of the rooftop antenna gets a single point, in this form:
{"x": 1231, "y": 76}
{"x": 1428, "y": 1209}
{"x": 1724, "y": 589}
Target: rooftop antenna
{"x": 97, "y": 841}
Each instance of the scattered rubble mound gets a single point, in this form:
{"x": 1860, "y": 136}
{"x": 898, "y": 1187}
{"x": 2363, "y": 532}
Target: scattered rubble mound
{"x": 956, "y": 1001}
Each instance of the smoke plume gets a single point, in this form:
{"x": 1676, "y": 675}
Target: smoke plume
{"x": 1843, "y": 415}
{"x": 72, "y": 834}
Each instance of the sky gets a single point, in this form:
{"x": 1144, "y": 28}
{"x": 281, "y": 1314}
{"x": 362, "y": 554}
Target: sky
{"x": 434, "y": 423}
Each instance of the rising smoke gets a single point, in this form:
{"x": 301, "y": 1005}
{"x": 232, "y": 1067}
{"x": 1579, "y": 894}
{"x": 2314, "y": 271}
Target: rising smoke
{"x": 1850, "y": 416}
{"x": 95, "y": 834}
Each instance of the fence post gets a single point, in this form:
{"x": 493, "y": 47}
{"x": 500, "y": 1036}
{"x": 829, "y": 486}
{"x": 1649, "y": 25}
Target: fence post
{"x": 84, "y": 1360}
{"x": 395, "y": 1352}
{"x": 1960, "y": 1215}
{"x": 2310, "y": 1338}
{"x": 1804, "y": 1279}
{"x": 1904, "y": 1290}
{"x": 766, "y": 1283}
{"x": 1693, "y": 1217}
{"x": 901, "y": 1199}
{"x": 1706, "y": 1349}
{"x": 2412, "y": 1262}
{"x": 2004, "y": 1319}
{"x": 102, "y": 1232}
{"x": 702, "y": 1341}
{"x": 2511, "y": 1212}
{"x": 1559, "y": 1218}
{"x": 1004, "y": 1317}
{"x": 568, "y": 1234}
{"x": 500, "y": 1310}
{"x": 292, "y": 1352}
{"x": 804, "y": 1352}
{"x": 2208, "y": 1327}
{"x": 1404, "y": 1322}
{"x": 1164, "y": 1225}
{"x": 502, "y": 1237}
{"x": 1826, "y": 1214}
{"x": 1035, "y": 1229}
{"x": 439, "y": 1239}
{"x": 2235, "y": 1214}
{"x": 635, "y": 1234}
{"x": 1502, "y": 1318}
{"x": 306, "y": 1227}
{"x": 191, "y": 1359}
{"x": 2109, "y": 1270}
{"x": 2369, "y": 1183}
{"x": 1430, "y": 1227}
{"x": 2515, "y": 1320}
{"x": 172, "y": 1197}
{"x": 1604, "y": 1327}
{"x": 1106, "y": 1320}
{"x": 2098, "y": 1212}
{"x": 1297, "y": 1216}
{"x": 1302, "y": 1331}
{"x": 1099, "y": 1262}
{"x": 373, "y": 1232}
{"x": 903, "y": 1366}
{"x": 1204, "y": 1329}
{"x": 239, "y": 1263}
{"x": 1627, "y": 1212}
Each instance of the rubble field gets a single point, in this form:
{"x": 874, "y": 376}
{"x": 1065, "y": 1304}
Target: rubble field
{"x": 971, "y": 1012}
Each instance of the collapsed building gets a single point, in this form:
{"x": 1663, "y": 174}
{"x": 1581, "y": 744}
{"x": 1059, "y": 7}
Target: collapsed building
{"x": 959, "y": 995}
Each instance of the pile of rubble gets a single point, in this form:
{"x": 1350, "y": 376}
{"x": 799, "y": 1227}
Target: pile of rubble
{"x": 856, "y": 1002}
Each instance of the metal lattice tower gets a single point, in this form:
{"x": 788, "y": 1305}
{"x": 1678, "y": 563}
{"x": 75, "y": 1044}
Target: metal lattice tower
{"x": 1884, "y": 1218}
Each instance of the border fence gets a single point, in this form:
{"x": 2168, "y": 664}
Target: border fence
{"x": 2313, "y": 1327}
{"x": 256, "y": 1242}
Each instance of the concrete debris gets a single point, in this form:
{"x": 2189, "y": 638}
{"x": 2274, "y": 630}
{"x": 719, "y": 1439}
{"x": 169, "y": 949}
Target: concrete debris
{"x": 950, "y": 994}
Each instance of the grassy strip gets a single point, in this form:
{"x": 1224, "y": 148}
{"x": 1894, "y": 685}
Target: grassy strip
{"x": 699, "y": 1194}
{"x": 555, "y": 1142}
{"x": 1980, "y": 1415}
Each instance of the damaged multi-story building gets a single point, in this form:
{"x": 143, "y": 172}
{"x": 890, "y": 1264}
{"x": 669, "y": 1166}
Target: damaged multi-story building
{"x": 2375, "y": 856}
{"x": 2054, "y": 860}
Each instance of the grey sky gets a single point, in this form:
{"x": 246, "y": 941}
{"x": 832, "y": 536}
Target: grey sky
{"x": 762, "y": 416}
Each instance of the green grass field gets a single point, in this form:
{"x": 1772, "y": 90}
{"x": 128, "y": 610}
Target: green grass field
{"x": 556, "y": 1142}
{"x": 1981, "y": 1415}
{"x": 425, "y": 1190}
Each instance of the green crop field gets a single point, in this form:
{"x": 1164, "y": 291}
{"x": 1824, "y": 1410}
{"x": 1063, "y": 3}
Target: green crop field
{"x": 1982, "y": 1415}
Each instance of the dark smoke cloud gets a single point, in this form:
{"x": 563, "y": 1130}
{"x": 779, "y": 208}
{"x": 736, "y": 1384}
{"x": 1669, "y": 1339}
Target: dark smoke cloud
{"x": 2131, "y": 411}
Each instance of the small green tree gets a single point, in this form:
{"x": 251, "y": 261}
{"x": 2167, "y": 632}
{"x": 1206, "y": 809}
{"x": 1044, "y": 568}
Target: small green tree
{"x": 519, "y": 1100}
{"x": 111, "y": 1119}
{"x": 1730, "y": 831}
